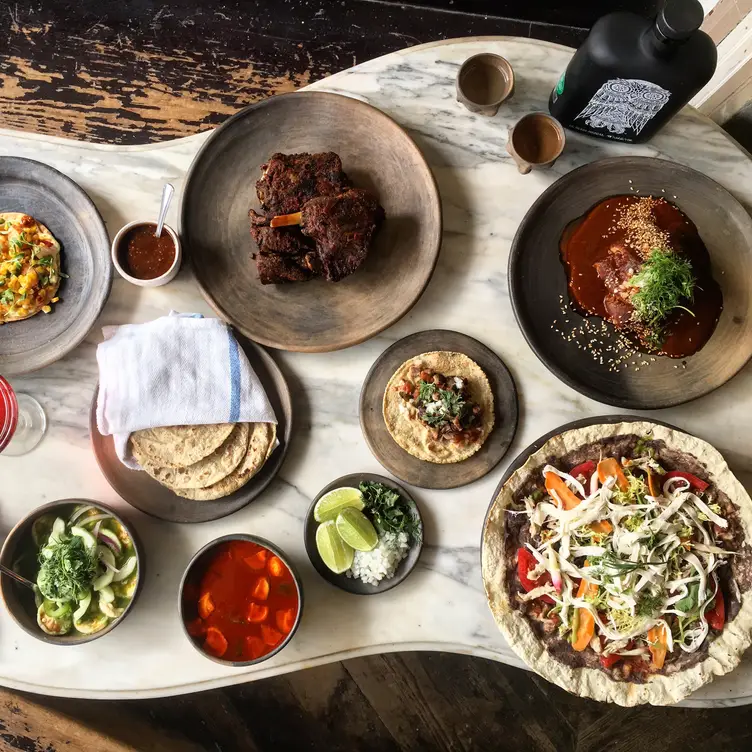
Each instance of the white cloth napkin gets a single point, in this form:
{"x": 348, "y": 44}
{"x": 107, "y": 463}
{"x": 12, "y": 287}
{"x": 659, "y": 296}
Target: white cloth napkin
{"x": 175, "y": 370}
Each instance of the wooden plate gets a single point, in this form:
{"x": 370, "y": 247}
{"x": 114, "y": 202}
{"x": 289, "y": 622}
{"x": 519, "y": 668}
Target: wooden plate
{"x": 428, "y": 474}
{"x": 351, "y": 584}
{"x": 537, "y": 280}
{"x": 523, "y": 456}
{"x": 56, "y": 201}
{"x": 313, "y": 316}
{"x": 143, "y": 492}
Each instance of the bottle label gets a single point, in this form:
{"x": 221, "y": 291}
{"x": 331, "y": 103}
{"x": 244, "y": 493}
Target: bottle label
{"x": 622, "y": 107}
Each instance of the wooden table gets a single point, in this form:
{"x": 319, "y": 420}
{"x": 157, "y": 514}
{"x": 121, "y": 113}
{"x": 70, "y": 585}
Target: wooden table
{"x": 99, "y": 75}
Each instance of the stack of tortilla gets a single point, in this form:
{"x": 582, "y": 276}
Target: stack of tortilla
{"x": 204, "y": 462}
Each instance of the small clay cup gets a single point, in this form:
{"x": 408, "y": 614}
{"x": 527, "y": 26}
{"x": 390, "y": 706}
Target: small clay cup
{"x": 484, "y": 81}
{"x": 535, "y": 141}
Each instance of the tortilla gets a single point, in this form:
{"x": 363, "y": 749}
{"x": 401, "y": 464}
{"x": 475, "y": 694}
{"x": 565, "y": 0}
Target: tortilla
{"x": 179, "y": 446}
{"x": 262, "y": 443}
{"x": 411, "y": 433}
{"x": 206, "y": 472}
{"x": 722, "y": 653}
{"x": 29, "y": 267}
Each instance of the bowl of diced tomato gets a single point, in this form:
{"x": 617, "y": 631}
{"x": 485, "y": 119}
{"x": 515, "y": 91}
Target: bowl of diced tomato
{"x": 240, "y": 600}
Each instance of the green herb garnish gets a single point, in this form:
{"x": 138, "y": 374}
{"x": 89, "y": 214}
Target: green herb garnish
{"x": 68, "y": 572}
{"x": 7, "y": 297}
{"x": 664, "y": 281}
{"x": 389, "y": 511}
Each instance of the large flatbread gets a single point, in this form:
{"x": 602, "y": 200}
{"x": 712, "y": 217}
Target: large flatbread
{"x": 206, "y": 472}
{"x": 411, "y": 433}
{"x": 179, "y": 446}
{"x": 262, "y": 441}
{"x": 499, "y": 543}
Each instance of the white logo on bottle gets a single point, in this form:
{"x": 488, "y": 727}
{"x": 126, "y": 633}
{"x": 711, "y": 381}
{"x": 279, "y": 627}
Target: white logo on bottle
{"x": 623, "y": 104}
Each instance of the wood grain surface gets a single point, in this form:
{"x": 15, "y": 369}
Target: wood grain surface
{"x": 313, "y": 316}
{"x": 417, "y": 702}
{"x": 141, "y": 71}
{"x": 428, "y": 474}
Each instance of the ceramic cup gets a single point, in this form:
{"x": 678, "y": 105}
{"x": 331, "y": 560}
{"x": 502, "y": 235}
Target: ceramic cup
{"x": 484, "y": 81}
{"x": 168, "y": 276}
{"x": 535, "y": 141}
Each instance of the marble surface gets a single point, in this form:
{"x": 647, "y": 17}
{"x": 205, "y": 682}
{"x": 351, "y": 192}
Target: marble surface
{"x": 441, "y": 606}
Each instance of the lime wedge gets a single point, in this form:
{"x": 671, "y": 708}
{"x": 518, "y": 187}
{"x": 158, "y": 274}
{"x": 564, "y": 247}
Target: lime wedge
{"x": 356, "y": 529}
{"x": 332, "y": 503}
{"x": 334, "y": 552}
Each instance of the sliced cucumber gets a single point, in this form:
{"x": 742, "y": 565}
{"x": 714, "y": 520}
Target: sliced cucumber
{"x": 103, "y": 580}
{"x": 41, "y": 530}
{"x": 107, "y": 594}
{"x": 83, "y": 606}
{"x": 126, "y": 570}
{"x": 92, "y": 623}
{"x": 56, "y": 610}
{"x": 58, "y": 528}
{"x": 89, "y": 540}
{"x": 51, "y": 626}
{"x": 106, "y": 555}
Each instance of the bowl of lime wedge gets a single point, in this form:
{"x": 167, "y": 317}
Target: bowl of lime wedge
{"x": 364, "y": 533}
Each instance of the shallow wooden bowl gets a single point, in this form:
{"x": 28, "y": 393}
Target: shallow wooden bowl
{"x": 312, "y": 316}
{"x": 537, "y": 279}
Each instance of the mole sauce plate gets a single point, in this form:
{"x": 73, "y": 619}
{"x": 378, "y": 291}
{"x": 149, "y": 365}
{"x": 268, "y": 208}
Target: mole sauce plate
{"x": 538, "y": 285}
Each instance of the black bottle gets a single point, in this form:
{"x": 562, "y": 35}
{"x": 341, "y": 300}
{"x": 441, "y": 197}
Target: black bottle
{"x": 631, "y": 75}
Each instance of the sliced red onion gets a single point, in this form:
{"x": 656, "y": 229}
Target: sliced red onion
{"x": 79, "y": 512}
{"x": 110, "y": 540}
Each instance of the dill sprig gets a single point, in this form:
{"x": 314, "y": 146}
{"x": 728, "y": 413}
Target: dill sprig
{"x": 664, "y": 281}
{"x": 68, "y": 573}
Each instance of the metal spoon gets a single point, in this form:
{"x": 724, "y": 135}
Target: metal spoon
{"x": 166, "y": 198}
{"x": 17, "y": 577}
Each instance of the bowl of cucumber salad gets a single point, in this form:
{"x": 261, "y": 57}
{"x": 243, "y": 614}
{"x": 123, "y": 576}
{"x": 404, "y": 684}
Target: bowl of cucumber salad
{"x": 85, "y": 563}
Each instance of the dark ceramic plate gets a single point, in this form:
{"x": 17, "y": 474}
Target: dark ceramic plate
{"x": 19, "y": 553}
{"x": 313, "y": 316}
{"x": 63, "y": 207}
{"x": 537, "y": 280}
{"x": 143, "y": 492}
{"x": 523, "y": 456}
{"x": 429, "y": 474}
{"x": 351, "y": 584}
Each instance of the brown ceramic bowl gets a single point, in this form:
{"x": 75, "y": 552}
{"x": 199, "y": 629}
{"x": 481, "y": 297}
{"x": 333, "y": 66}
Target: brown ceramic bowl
{"x": 484, "y": 81}
{"x": 192, "y": 577}
{"x": 19, "y": 553}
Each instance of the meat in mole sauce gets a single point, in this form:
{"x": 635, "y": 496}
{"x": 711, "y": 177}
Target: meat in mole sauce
{"x": 604, "y": 251}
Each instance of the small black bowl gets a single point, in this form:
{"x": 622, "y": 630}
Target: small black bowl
{"x": 19, "y": 600}
{"x": 192, "y": 577}
{"x": 353, "y": 584}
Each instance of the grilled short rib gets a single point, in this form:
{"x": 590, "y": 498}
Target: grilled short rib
{"x": 343, "y": 227}
{"x": 289, "y": 180}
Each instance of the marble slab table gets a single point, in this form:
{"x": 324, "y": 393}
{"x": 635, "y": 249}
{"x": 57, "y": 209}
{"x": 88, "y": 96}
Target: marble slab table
{"x": 441, "y": 606}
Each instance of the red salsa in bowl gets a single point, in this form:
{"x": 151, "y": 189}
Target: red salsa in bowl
{"x": 240, "y": 600}
{"x": 143, "y": 255}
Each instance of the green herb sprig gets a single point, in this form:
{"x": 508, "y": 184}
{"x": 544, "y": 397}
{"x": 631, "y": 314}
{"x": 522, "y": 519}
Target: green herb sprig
{"x": 665, "y": 281}
{"x": 68, "y": 573}
{"x": 390, "y": 512}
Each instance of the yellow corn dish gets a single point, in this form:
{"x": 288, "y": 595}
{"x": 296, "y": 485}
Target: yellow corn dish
{"x": 29, "y": 267}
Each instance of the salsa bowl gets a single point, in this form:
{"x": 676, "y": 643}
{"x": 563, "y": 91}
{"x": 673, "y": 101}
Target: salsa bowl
{"x": 21, "y": 552}
{"x": 240, "y": 600}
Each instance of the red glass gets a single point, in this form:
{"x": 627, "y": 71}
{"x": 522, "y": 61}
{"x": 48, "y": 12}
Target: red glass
{"x": 8, "y": 413}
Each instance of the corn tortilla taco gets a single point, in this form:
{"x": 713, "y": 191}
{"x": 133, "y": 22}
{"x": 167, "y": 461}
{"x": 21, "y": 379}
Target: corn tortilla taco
{"x": 439, "y": 407}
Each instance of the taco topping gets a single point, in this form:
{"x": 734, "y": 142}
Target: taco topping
{"x": 443, "y": 403}
{"x": 623, "y": 560}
